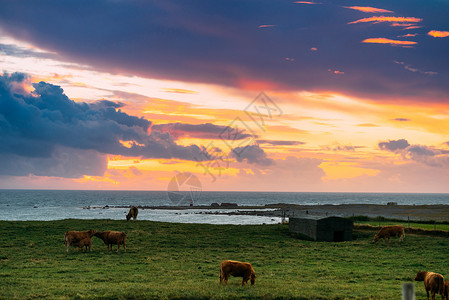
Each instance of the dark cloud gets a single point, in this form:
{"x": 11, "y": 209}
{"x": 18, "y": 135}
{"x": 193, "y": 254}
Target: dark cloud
{"x": 202, "y": 131}
{"x": 394, "y": 145}
{"x": 252, "y": 154}
{"x": 37, "y": 129}
{"x": 401, "y": 119}
{"x": 280, "y": 143}
{"x": 221, "y": 42}
{"x": 429, "y": 156}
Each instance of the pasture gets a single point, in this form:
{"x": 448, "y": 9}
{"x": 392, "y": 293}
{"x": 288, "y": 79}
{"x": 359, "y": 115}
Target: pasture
{"x": 181, "y": 261}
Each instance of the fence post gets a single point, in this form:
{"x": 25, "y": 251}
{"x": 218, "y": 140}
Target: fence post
{"x": 408, "y": 291}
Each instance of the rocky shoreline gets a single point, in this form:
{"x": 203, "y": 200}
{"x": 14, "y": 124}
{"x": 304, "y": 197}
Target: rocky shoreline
{"x": 438, "y": 213}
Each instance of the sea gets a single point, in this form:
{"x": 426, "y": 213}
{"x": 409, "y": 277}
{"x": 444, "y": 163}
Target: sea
{"x": 46, "y": 205}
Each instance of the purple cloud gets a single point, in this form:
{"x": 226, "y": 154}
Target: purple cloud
{"x": 394, "y": 145}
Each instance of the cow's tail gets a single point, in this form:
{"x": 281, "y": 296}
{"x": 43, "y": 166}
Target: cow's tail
{"x": 65, "y": 239}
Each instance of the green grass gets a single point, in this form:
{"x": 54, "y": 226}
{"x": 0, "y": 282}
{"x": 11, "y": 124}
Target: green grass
{"x": 181, "y": 261}
{"x": 386, "y": 222}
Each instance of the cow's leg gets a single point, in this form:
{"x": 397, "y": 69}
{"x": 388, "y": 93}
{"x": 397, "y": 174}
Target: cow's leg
{"x": 226, "y": 278}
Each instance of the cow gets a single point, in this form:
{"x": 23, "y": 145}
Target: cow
{"x": 74, "y": 238}
{"x": 446, "y": 289}
{"x": 112, "y": 238}
{"x": 237, "y": 269}
{"x": 133, "y": 211}
{"x": 85, "y": 243}
{"x": 390, "y": 231}
{"x": 433, "y": 283}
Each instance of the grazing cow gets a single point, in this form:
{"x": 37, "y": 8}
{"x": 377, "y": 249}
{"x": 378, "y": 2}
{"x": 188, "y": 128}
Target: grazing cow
{"x": 74, "y": 238}
{"x": 433, "y": 282}
{"x": 133, "y": 211}
{"x": 85, "y": 243}
{"x": 390, "y": 231}
{"x": 446, "y": 289}
{"x": 112, "y": 238}
{"x": 237, "y": 269}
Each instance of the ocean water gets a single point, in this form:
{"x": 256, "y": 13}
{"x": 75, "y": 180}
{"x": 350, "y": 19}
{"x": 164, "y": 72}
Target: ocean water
{"x": 19, "y": 205}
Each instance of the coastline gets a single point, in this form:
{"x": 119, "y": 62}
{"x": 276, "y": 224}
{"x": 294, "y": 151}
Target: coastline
{"x": 437, "y": 212}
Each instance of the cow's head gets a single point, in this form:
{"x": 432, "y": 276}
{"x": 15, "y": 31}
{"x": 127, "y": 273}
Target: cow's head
{"x": 253, "y": 278}
{"x": 376, "y": 238}
{"x": 420, "y": 276}
{"x": 92, "y": 232}
{"x": 128, "y": 216}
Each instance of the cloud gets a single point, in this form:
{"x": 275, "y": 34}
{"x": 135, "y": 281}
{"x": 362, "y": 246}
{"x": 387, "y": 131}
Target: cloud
{"x": 394, "y": 145}
{"x": 179, "y": 91}
{"x": 201, "y": 131}
{"x": 419, "y": 153}
{"x": 38, "y": 127}
{"x": 252, "y": 154}
{"x": 280, "y": 143}
{"x": 220, "y": 44}
{"x": 440, "y": 34}
{"x": 344, "y": 148}
{"x": 369, "y": 9}
{"x": 388, "y": 41}
{"x": 306, "y": 2}
{"x": 381, "y": 19}
{"x": 412, "y": 69}
{"x": 401, "y": 120}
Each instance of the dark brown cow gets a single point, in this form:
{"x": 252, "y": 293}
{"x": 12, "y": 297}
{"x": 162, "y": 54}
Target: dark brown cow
{"x": 433, "y": 283}
{"x": 133, "y": 211}
{"x": 390, "y": 231}
{"x": 446, "y": 289}
{"x": 112, "y": 238}
{"x": 237, "y": 269}
{"x": 74, "y": 238}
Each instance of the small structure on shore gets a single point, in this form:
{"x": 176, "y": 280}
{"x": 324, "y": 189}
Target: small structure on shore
{"x": 326, "y": 229}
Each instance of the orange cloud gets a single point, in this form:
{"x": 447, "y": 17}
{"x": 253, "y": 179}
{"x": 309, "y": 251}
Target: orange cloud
{"x": 388, "y": 41}
{"x": 387, "y": 19}
{"x": 265, "y": 26}
{"x": 306, "y": 2}
{"x": 408, "y": 35}
{"x": 436, "y": 33}
{"x": 179, "y": 91}
{"x": 369, "y": 9}
{"x": 336, "y": 72}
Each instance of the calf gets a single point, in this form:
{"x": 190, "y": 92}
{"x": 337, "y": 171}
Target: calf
{"x": 433, "y": 283}
{"x": 112, "y": 238}
{"x": 84, "y": 243}
{"x": 390, "y": 231}
{"x": 133, "y": 211}
{"x": 74, "y": 238}
{"x": 237, "y": 269}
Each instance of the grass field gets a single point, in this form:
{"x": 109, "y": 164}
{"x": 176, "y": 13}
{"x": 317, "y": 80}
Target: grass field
{"x": 181, "y": 261}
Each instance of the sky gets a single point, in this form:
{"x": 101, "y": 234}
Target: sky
{"x": 289, "y": 96}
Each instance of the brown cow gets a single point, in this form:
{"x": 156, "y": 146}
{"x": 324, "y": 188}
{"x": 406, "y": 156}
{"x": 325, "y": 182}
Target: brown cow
{"x": 75, "y": 237}
{"x": 390, "y": 231}
{"x": 446, "y": 289}
{"x": 84, "y": 243}
{"x": 112, "y": 238}
{"x": 133, "y": 211}
{"x": 433, "y": 282}
{"x": 237, "y": 269}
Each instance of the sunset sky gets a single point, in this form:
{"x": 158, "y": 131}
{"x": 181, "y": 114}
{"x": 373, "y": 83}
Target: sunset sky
{"x": 304, "y": 96}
